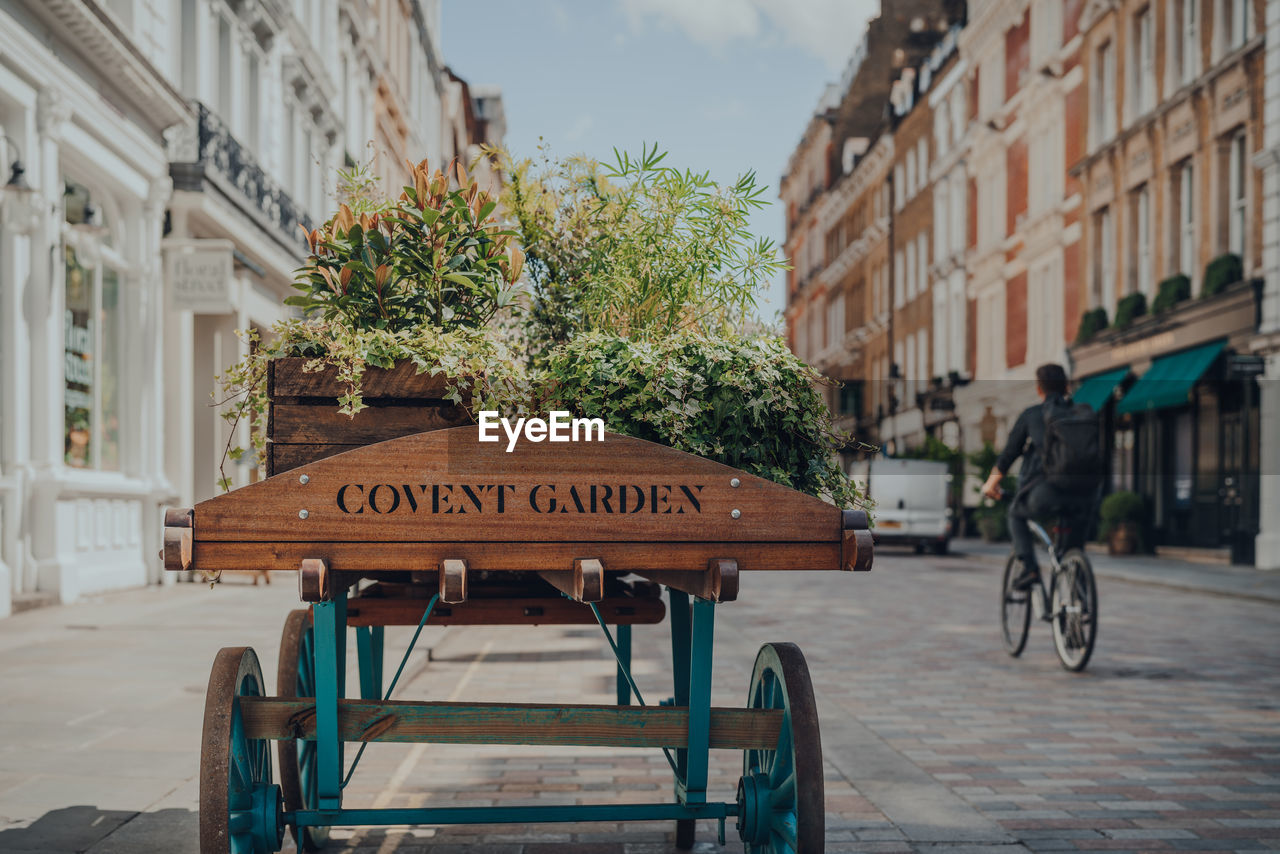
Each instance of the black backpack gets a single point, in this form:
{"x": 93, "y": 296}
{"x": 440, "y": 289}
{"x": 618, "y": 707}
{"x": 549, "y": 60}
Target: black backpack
{"x": 1072, "y": 457}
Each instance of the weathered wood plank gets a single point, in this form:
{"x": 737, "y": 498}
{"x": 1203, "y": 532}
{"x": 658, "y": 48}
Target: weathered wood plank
{"x": 288, "y": 379}
{"x": 446, "y": 485}
{"x": 453, "y": 581}
{"x": 282, "y": 457}
{"x": 513, "y": 723}
{"x": 719, "y": 582}
{"x": 307, "y": 423}
{"x": 583, "y": 583}
{"x": 372, "y": 558}
{"x": 623, "y": 610}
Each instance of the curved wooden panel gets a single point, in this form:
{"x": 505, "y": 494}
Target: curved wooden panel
{"x": 447, "y": 486}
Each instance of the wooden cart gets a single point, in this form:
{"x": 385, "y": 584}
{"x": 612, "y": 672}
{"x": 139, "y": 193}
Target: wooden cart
{"x": 439, "y": 527}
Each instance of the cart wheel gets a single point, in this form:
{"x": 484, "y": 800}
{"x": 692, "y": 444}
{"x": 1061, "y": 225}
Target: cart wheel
{"x": 240, "y": 809}
{"x": 296, "y": 677}
{"x": 780, "y": 796}
{"x": 686, "y": 831}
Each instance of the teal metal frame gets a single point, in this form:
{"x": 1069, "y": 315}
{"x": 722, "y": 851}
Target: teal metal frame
{"x": 692, "y": 646}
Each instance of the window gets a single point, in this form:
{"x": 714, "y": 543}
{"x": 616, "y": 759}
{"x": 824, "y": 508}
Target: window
{"x": 991, "y": 207}
{"x": 991, "y": 81}
{"x": 910, "y": 189}
{"x": 1237, "y": 182}
{"x": 922, "y": 360}
{"x": 941, "y": 130}
{"x": 1044, "y": 311}
{"x": 816, "y": 344}
{"x": 1184, "y": 238}
{"x": 940, "y": 228}
{"x": 957, "y": 319}
{"x": 991, "y": 342}
{"x": 253, "y": 100}
{"x": 899, "y": 269}
{"x": 835, "y": 321}
{"x": 226, "y": 101}
{"x": 1103, "y": 94}
{"x": 922, "y": 163}
{"x": 1142, "y": 268}
{"x": 922, "y": 249}
{"x": 958, "y": 106}
{"x": 92, "y": 341}
{"x": 899, "y": 186}
{"x": 1046, "y": 31}
{"x": 911, "y": 269}
{"x": 1045, "y": 162}
{"x": 1104, "y": 237}
{"x": 1142, "y": 62}
{"x": 1235, "y": 23}
{"x": 802, "y": 338}
{"x": 940, "y": 349}
{"x": 1184, "y": 47}
{"x": 959, "y": 219}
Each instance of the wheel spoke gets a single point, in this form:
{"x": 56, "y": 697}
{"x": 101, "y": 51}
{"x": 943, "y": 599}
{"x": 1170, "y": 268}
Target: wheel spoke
{"x": 782, "y": 831}
{"x": 783, "y": 793}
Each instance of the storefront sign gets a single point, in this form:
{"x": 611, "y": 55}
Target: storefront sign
{"x": 1241, "y": 365}
{"x": 198, "y": 275}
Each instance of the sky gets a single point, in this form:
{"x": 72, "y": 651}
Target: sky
{"x": 723, "y": 85}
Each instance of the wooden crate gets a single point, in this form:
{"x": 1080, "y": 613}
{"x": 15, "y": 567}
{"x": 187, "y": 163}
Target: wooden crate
{"x": 304, "y": 425}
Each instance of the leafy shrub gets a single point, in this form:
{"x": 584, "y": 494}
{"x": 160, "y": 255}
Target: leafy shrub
{"x": 1123, "y": 507}
{"x": 1226, "y": 269}
{"x": 1129, "y": 309}
{"x": 745, "y": 401}
{"x": 435, "y": 257}
{"x": 1172, "y": 291}
{"x": 635, "y": 247}
{"x": 1092, "y": 322}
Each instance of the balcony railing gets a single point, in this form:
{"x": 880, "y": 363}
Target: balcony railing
{"x": 220, "y": 156}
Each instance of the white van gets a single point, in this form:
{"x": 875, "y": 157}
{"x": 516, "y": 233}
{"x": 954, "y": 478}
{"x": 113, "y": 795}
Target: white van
{"x": 911, "y": 501}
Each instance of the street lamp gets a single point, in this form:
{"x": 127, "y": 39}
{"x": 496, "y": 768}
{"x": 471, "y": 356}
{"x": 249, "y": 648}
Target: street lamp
{"x": 17, "y": 183}
{"x": 19, "y": 202}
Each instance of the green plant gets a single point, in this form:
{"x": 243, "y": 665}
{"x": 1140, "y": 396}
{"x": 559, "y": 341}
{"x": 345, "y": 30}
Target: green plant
{"x": 1129, "y": 309}
{"x": 435, "y": 257}
{"x": 635, "y": 247}
{"x": 1226, "y": 269}
{"x": 745, "y": 401}
{"x": 1092, "y": 322}
{"x": 1172, "y": 291}
{"x": 1119, "y": 508}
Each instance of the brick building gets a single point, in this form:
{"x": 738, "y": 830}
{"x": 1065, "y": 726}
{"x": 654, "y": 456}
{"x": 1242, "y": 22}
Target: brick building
{"x": 1173, "y": 228}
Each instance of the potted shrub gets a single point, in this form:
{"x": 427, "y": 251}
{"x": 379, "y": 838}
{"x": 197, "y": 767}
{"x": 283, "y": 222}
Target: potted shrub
{"x": 1092, "y": 322}
{"x": 1129, "y": 309}
{"x": 1226, "y": 269}
{"x": 1121, "y": 516}
{"x": 1172, "y": 291}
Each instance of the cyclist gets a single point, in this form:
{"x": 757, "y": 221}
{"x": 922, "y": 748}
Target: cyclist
{"x": 1036, "y": 496}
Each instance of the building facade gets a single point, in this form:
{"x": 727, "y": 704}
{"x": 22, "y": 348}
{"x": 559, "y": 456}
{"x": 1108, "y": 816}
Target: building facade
{"x": 1096, "y": 184}
{"x": 1174, "y": 229}
{"x": 166, "y": 154}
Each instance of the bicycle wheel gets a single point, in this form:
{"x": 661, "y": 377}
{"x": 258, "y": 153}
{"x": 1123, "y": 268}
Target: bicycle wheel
{"x": 1074, "y": 610}
{"x": 1015, "y": 610}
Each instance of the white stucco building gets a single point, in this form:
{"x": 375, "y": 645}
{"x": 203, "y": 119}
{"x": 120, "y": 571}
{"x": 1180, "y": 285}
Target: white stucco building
{"x": 168, "y": 151}
{"x": 1268, "y": 343}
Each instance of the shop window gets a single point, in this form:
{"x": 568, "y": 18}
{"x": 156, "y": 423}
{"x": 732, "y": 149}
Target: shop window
{"x": 1122, "y": 460}
{"x": 92, "y": 340}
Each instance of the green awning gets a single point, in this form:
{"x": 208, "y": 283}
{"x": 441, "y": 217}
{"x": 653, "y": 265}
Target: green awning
{"x": 1169, "y": 380}
{"x": 1096, "y": 389}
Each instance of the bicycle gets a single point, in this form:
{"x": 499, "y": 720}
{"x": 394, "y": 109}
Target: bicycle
{"x": 1070, "y": 604}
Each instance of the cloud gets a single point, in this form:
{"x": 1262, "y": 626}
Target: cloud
{"x": 828, "y": 29}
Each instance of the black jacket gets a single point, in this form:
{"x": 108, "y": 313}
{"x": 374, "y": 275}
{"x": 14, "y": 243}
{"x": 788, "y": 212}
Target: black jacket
{"x": 1026, "y": 440}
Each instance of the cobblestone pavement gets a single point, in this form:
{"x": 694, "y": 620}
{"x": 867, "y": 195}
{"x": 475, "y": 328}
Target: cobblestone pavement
{"x": 935, "y": 740}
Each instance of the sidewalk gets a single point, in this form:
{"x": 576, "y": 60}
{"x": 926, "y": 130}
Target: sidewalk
{"x": 1241, "y": 581}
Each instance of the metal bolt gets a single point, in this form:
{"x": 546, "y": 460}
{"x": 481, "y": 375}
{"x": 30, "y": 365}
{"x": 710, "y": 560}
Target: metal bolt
{"x": 304, "y": 479}
{"x": 302, "y": 514}
{"x": 736, "y": 513}
{"x": 735, "y": 483}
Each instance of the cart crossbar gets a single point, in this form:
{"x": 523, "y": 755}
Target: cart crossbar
{"x": 509, "y": 815}
{"x": 509, "y": 723}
